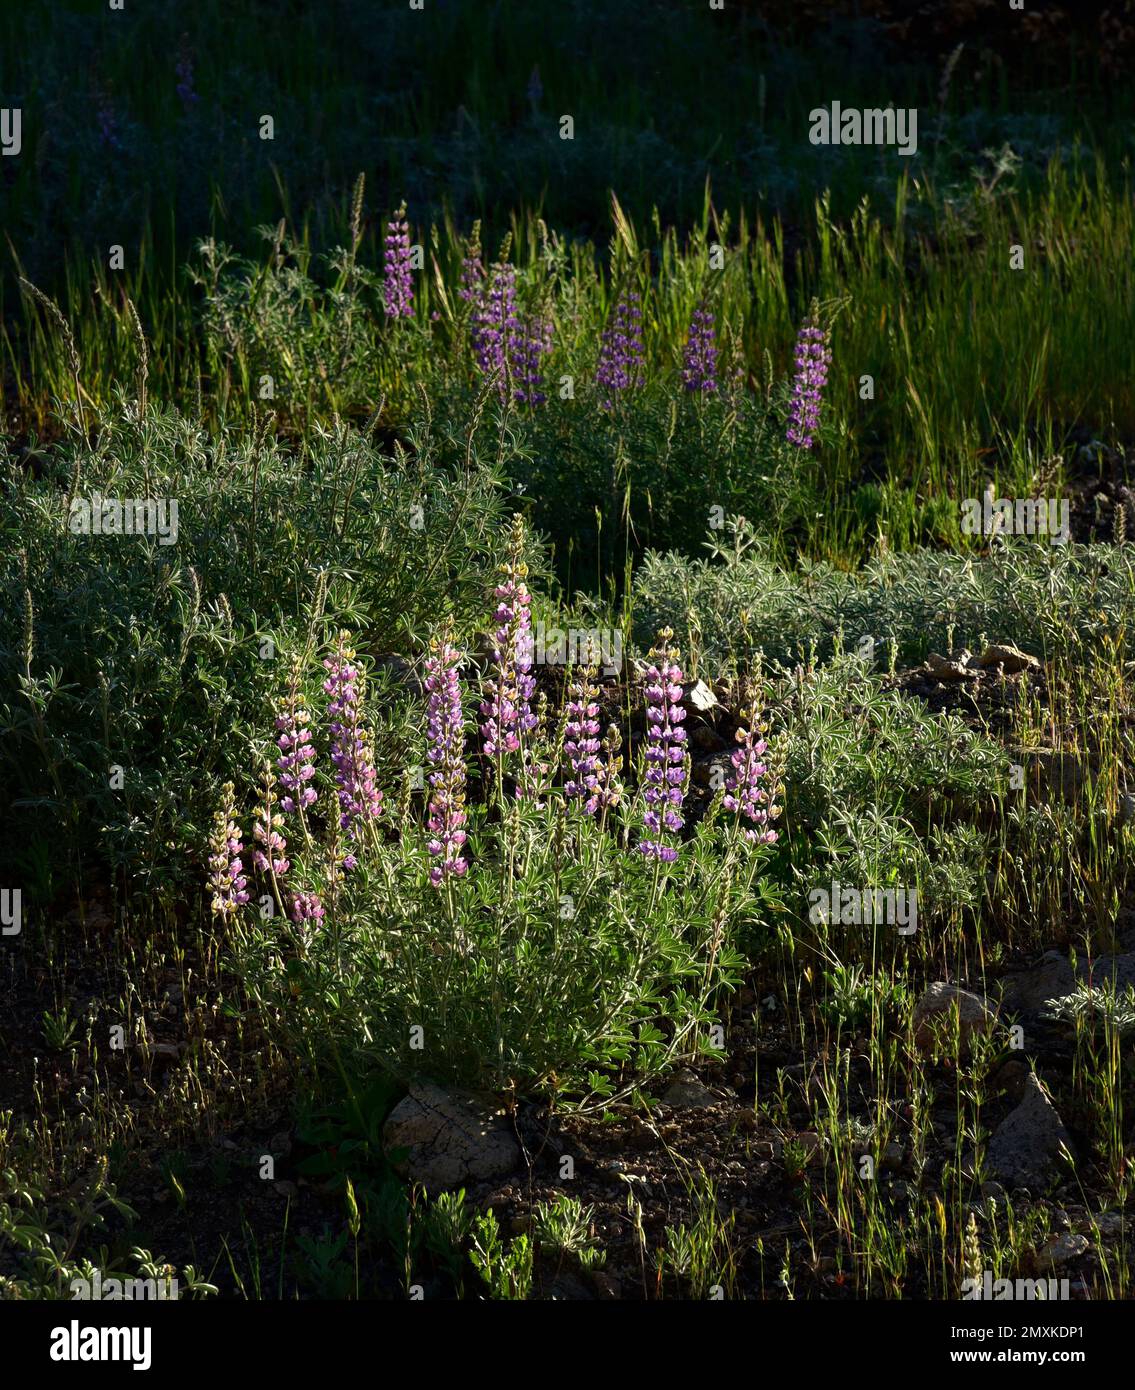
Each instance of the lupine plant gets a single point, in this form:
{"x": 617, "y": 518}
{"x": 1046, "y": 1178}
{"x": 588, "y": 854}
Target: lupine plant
{"x": 813, "y": 358}
{"x": 699, "y": 361}
{"x": 621, "y": 354}
{"x": 536, "y": 923}
{"x": 398, "y": 286}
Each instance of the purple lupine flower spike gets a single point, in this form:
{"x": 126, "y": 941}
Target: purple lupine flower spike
{"x": 813, "y": 358}
{"x": 306, "y": 907}
{"x": 360, "y": 801}
{"x": 268, "y": 856}
{"x": 666, "y": 759}
{"x": 621, "y": 349}
{"x": 227, "y": 878}
{"x": 398, "y": 288}
{"x": 296, "y": 763}
{"x": 581, "y": 745}
{"x": 472, "y": 268}
{"x": 699, "y": 364}
{"x": 508, "y": 711}
{"x": 496, "y": 325}
{"x": 746, "y": 792}
{"x": 532, "y": 343}
{"x": 446, "y": 754}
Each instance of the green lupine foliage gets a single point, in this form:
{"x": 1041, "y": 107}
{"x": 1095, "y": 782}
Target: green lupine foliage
{"x": 152, "y": 656}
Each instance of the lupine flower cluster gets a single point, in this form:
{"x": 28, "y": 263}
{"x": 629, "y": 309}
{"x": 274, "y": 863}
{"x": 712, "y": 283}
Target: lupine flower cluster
{"x": 398, "y": 288}
{"x": 360, "y": 801}
{"x": 530, "y": 344}
{"x": 306, "y": 907}
{"x": 185, "y": 91}
{"x": 227, "y": 878}
{"x": 591, "y": 778}
{"x": 268, "y": 857}
{"x": 591, "y": 766}
{"x": 296, "y": 762}
{"x": 472, "y": 268}
{"x": 666, "y": 759}
{"x": 507, "y": 711}
{"x": 813, "y": 357}
{"x": 746, "y": 792}
{"x": 621, "y": 353}
{"x": 699, "y": 364}
{"x": 446, "y": 753}
{"x": 496, "y": 324}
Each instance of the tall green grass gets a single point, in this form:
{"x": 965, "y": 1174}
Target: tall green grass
{"x": 979, "y": 371}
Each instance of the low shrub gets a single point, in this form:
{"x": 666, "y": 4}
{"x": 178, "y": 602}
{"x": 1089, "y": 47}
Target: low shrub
{"x": 545, "y": 927}
{"x": 738, "y": 605}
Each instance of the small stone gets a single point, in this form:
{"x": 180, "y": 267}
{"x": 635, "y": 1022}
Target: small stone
{"x": 943, "y": 669}
{"x": 1058, "y": 1250}
{"x": 992, "y": 1191}
{"x": 1054, "y": 978}
{"x": 1011, "y": 659}
{"x": 606, "y": 1286}
{"x": 1110, "y": 1224}
{"x": 286, "y": 1188}
{"x": 697, "y": 697}
{"x": 688, "y": 1093}
{"x": 445, "y": 1140}
{"x": 1026, "y": 1146}
{"x": 932, "y": 1025}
